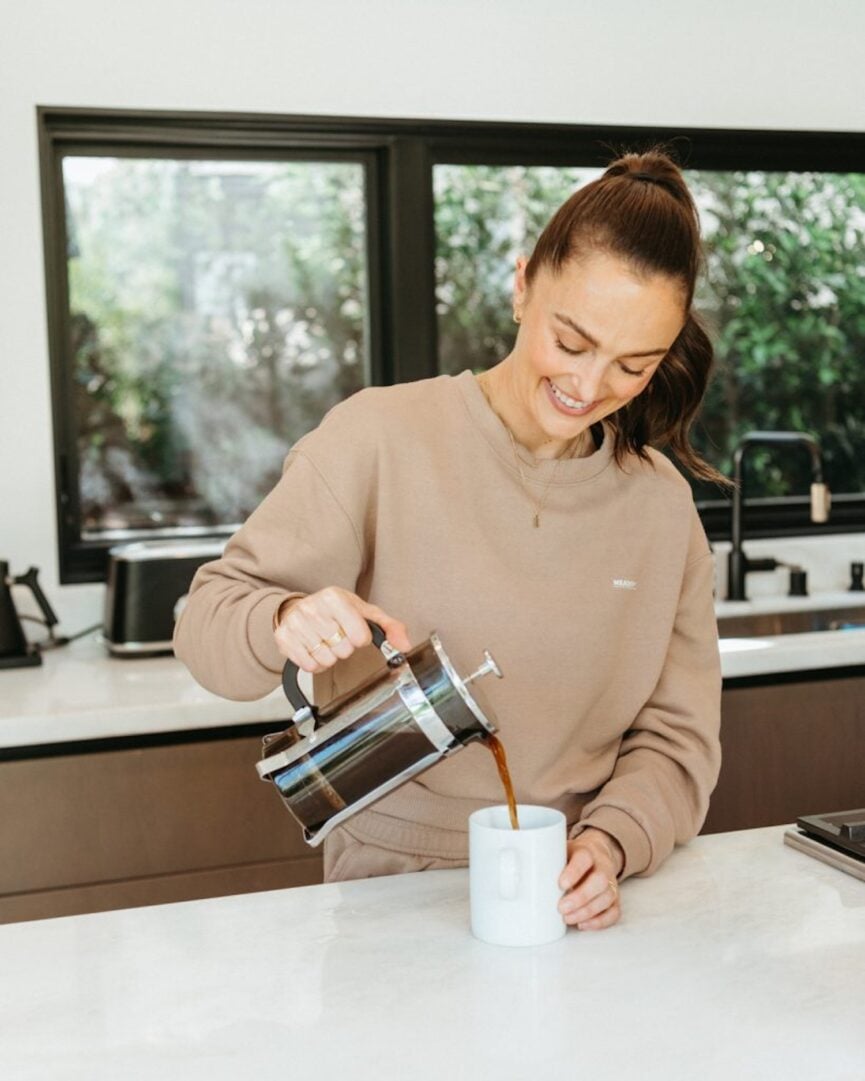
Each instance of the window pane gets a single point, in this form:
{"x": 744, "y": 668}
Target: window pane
{"x": 218, "y": 309}
{"x": 785, "y": 302}
{"x": 785, "y": 297}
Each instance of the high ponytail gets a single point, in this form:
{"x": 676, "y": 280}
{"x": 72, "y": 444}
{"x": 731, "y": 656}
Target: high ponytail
{"x": 641, "y": 210}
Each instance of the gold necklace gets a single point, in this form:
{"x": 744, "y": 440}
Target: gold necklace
{"x": 539, "y": 506}
{"x": 536, "y": 517}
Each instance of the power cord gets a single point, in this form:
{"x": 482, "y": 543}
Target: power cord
{"x": 54, "y": 641}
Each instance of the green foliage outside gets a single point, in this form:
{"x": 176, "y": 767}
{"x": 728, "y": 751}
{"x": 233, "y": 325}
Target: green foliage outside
{"x": 217, "y": 312}
{"x": 786, "y": 297}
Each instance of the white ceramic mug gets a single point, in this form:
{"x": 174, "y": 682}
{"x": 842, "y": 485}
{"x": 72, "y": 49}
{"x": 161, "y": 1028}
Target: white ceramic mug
{"x": 514, "y": 875}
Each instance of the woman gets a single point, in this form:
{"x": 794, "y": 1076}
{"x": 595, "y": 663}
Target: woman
{"x": 524, "y": 511}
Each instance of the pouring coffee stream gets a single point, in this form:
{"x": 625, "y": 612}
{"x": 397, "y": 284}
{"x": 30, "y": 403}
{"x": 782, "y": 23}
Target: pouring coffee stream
{"x": 498, "y": 750}
{"x": 332, "y": 762}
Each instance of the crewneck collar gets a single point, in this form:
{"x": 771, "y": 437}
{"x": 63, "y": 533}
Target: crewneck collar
{"x": 555, "y": 471}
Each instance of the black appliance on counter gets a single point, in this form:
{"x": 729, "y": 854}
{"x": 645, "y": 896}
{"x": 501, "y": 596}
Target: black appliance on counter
{"x": 837, "y": 839}
{"x": 15, "y": 650}
{"x": 146, "y": 587}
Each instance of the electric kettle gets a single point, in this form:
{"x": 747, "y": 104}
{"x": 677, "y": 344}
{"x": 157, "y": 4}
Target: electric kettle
{"x": 331, "y": 763}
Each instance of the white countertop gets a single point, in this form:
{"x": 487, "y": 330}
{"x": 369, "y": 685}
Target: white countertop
{"x": 791, "y": 652}
{"x": 740, "y": 958}
{"x": 81, "y": 693}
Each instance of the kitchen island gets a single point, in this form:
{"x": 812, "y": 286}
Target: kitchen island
{"x": 740, "y": 958}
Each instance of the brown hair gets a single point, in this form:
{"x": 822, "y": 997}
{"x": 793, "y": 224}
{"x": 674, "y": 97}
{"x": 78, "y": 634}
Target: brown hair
{"x": 641, "y": 210}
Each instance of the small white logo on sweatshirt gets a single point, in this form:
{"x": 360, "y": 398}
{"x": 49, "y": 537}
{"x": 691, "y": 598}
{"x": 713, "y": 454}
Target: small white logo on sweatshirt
{"x": 624, "y": 583}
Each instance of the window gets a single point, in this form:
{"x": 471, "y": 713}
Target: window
{"x": 785, "y": 295}
{"x": 216, "y": 310}
{"x": 216, "y": 282}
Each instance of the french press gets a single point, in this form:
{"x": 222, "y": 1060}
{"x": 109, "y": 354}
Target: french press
{"x": 331, "y": 763}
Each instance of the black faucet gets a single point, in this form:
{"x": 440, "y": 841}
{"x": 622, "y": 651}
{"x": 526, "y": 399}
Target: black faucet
{"x": 738, "y": 564}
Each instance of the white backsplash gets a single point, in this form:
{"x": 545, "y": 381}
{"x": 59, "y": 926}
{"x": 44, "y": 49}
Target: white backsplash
{"x": 826, "y": 559}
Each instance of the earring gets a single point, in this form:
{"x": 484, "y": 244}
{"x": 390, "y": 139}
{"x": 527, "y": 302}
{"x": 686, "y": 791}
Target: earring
{"x": 516, "y": 317}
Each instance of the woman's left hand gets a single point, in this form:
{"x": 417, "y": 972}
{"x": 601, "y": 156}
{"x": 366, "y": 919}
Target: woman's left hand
{"x": 591, "y": 899}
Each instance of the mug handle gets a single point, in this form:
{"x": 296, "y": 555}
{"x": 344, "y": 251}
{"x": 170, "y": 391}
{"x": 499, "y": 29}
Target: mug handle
{"x": 509, "y": 874}
{"x": 303, "y": 708}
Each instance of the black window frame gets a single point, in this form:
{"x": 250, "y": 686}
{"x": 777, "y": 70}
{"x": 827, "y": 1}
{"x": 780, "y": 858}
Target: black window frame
{"x": 399, "y": 156}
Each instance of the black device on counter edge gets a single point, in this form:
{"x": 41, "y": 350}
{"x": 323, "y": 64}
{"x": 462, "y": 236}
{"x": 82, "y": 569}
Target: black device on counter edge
{"x": 844, "y": 831}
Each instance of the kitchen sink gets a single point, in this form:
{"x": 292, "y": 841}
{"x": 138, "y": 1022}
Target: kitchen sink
{"x": 761, "y": 624}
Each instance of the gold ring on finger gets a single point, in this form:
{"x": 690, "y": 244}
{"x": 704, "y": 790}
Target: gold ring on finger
{"x": 320, "y": 645}
{"x": 335, "y": 638}
{"x": 614, "y": 886}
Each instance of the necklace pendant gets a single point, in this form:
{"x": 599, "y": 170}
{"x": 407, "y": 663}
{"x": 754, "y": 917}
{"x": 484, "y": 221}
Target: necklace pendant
{"x": 536, "y": 521}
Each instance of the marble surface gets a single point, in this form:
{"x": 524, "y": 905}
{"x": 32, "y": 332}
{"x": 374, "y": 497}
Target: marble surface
{"x": 740, "y": 958}
{"x": 80, "y": 693}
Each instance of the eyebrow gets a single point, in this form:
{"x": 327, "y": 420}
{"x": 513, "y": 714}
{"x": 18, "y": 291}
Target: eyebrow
{"x": 589, "y": 338}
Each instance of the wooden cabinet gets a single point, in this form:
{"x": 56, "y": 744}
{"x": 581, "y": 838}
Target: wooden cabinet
{"x": 792, "y": 747}
{"x": 96, "y": 830}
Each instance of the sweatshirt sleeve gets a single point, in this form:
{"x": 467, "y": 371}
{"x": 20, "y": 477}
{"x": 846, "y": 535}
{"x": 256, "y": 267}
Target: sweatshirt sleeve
{"x": 670, "y": 757}
{"x": 305, "y": 535}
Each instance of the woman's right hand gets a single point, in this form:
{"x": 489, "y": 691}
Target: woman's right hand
{"x": 306, "y": 623}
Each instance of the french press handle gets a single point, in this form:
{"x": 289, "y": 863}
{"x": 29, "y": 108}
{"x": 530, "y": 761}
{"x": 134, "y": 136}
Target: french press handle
{"x": 393, "y": 659}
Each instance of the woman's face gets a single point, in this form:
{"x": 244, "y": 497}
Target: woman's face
{"x": 590, "y": 340}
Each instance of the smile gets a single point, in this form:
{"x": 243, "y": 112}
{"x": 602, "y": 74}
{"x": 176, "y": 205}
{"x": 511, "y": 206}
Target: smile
{"x": 567, "y": 404}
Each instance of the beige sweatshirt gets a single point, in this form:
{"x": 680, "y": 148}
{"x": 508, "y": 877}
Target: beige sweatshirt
{"x": 601, "y": 620}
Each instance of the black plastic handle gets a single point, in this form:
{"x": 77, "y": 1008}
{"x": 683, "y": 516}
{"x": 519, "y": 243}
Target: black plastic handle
{"x": 31, "y": 580}
{"x": 291, "y": 671}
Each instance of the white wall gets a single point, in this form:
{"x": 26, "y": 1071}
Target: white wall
{"x": 733, "y": 63}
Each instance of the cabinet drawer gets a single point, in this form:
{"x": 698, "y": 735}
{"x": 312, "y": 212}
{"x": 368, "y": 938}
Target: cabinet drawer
{"x": 93, "y": 818}
{"x": 789, "y": 749}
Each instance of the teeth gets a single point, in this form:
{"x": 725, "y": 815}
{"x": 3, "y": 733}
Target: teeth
{"x": 571, "y": 403}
